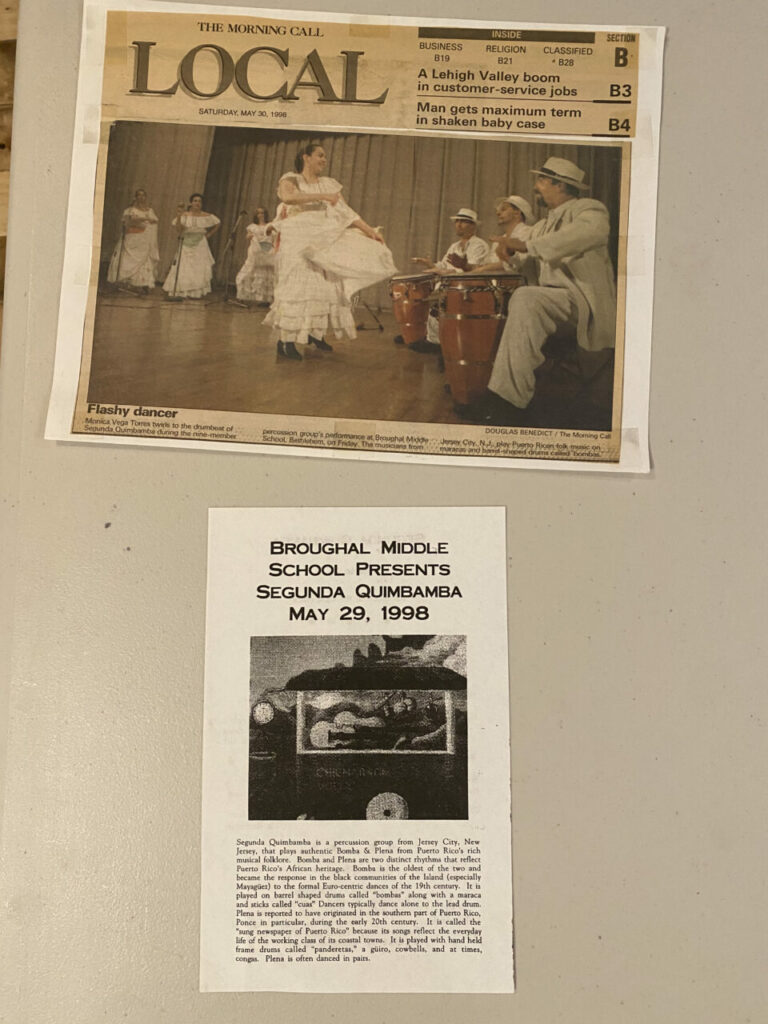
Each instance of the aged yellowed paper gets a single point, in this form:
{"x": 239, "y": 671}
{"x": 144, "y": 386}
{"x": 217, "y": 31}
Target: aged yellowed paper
{"x": 357, "y": 237}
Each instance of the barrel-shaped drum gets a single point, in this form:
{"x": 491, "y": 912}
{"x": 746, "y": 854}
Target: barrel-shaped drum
{"x": 473, "y": 311}
{"x": 411, "y": 300}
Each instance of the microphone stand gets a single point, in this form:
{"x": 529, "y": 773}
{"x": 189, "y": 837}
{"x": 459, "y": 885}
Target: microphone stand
{"x": 120, "y": 259}
{"x": 226, "y": 263}
{"x": 362, "y": 326}
{"x": 172, "y": 296}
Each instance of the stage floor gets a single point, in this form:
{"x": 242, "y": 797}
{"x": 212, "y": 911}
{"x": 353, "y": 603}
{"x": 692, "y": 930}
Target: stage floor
{"x": 208, "y": 354}
{"x": 216, "y": 355}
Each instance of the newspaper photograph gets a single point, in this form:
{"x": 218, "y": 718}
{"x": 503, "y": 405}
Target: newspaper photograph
{"x": 449, "y": 225}
{"x": 356, "y": 832}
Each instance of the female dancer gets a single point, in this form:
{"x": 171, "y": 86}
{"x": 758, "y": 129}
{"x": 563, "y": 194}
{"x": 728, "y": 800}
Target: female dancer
{"x": 190, "y": 273}
{"x": 256, "y": 278}
{"x": 326, "y": 253}
{"x": 134, "y": 261}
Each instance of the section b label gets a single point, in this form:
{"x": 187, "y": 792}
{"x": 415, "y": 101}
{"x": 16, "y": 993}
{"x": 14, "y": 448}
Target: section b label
{"x": 515, "y": 80}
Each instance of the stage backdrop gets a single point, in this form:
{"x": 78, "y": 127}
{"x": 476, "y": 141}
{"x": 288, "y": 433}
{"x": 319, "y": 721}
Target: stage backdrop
{"x": 169, "y": 161}
{"x": 409, "y": 186}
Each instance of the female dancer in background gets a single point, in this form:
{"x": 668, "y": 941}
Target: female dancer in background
{"x": 256, "y": 278}
{"x": 326, "y": 253}
{"x": 134, "y": 261}
{"x": 191, "y": 270}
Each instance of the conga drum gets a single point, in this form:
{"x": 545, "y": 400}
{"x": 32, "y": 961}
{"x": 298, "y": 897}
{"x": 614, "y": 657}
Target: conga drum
{"x": 473, "y": 311}
{"x": 411, "y": 298}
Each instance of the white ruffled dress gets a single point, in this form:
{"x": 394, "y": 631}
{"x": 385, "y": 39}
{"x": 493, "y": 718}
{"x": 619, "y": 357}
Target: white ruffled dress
{"x": 321, "y": 263}
{"x": 256, "y": 278}
{"x": 192, "y": 268}
{"x": 135, "y": 258}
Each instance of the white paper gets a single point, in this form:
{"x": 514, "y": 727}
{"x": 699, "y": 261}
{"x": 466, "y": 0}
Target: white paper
{"x": 356, "y": 792}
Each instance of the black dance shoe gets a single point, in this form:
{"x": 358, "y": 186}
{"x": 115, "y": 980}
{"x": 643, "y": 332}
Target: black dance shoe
{"x": 287, "y": 350}
{"x": 320, "y": 343}
{"x": 427, "y": 347}
{"x": 493, "y": 410}
{"x": 399, "y": 339}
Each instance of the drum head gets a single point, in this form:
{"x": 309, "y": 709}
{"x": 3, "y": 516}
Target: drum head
{"x": 387, "y": 805}
{"x": 490, "y": 281}
{"x": 495, "y": 275}
{"x": 402, "y": 278}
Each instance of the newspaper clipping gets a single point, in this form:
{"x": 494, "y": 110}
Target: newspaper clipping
{"x": 356, "y": 786}
{"x": 449, "y": 225}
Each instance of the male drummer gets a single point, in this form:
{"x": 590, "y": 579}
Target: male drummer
{"x": 467, "y": 252}
{"x": 463, "y": 255}
{"x": 576, "y": 285}
{"x": 516, "y": 219}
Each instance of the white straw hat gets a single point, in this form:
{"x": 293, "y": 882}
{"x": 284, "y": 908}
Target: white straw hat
{"x": 522, "y": 204}
{"x": 466, "y": 214}
{"x": 563, "y": 170}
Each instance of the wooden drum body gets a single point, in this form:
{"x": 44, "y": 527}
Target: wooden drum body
{"x": 411, "y": 299}
{"x": 473, "y": 311}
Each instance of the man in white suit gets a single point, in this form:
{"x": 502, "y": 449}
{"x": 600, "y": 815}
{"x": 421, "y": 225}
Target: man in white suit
{"x": 576, "y": 285}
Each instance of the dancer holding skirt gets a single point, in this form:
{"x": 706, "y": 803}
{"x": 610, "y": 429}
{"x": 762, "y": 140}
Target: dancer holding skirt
{"x": 325, "y": 255}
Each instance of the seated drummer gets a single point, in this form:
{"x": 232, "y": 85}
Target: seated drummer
{"x": 462, "y": 256}
{"x": 577, "y": 286}
{"x": 466, "y": 253}
{"x": 516, "y": 219}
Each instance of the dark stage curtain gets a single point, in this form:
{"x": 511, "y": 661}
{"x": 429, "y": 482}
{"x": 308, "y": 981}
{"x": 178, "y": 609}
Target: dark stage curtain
{"x": 409, "y": 186}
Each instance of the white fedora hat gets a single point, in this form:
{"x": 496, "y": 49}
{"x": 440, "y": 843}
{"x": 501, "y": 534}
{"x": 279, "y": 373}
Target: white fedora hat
{"x": 562, "y": 170}
{"x": 522, "y": 204}
{"x": 466, "y": 214}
